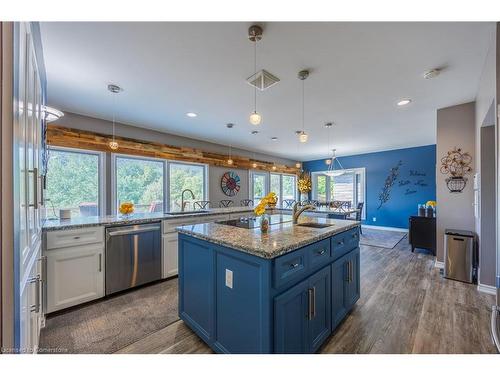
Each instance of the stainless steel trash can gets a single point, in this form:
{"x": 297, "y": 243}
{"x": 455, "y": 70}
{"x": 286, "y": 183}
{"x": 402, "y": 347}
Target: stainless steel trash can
{"x": 459, "y": 255}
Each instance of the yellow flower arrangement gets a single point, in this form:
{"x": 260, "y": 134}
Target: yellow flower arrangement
{"x": 304, "y": 184}
{"x": 431, "y": 203}
{"x": 126, "y": 208}
{"x": 269, "y": 200}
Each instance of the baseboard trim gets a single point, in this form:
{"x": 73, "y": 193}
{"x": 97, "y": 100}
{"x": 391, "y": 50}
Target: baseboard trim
{"x": 488, "y": 289}
{"x": 394, "y": 229}
{"x": 438, "y": 264}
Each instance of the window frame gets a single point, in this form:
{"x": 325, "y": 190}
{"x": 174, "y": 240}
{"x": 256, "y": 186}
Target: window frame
{"x": 101, "y": 172}
{"x": 113, "y": 193}
{"x": 280, "y": 193}
{"x": 358, "y": 173}
{"x": 167, "y": 180}
{"x": 267, "y": 182}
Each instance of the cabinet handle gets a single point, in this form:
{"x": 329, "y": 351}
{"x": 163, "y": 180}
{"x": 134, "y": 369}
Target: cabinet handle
{"x": 35, "y": 188}
{"x": 350, "y": 271}
{"x": 36, "y": 307}
{"x": 310, "y": 303}
{"x": 321, "y": 252}
{"x": 100, "y": 262}
{"x": 294, "y": 265}
{"x": 76, "y": 237}
{"x": 340, "y": 243}
{"x": 314, "y": 302}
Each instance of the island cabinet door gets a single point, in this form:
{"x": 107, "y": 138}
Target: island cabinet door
{"x": 303, "y": 315}
{"x": 318, "y": 309}
{"x": 290, "y": 320}
{"x": 352, "y": 284}
{"x": 339, "y": 282}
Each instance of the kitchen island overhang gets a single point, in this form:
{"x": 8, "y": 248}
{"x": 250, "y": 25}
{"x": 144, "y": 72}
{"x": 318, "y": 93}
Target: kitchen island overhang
{"x": 285, "y": 291}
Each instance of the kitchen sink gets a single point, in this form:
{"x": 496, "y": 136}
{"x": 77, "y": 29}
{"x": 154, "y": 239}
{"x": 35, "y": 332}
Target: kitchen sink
{"x": 186, "y": 212}
{"x": 315, "y": 225}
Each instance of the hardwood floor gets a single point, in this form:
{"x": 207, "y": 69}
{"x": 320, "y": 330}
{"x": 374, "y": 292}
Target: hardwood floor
{"x": 405, "y": 307}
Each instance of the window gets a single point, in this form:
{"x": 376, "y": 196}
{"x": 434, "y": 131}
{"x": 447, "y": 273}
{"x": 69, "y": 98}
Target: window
{"x": 258, "y": 186}
{"x": 140, "y": 181}
{"x": 183, "y": 176}
{"x": 284, "y": 185}
{"x": 74, "y": 181}
{"x": 349, "y": 186}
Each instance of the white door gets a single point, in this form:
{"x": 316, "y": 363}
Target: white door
{"x": 74, "y": 275}
{"x": 170, "y": 255}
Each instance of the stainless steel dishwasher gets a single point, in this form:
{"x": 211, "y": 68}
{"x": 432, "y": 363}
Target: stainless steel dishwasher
{"x": 133, "y": 256}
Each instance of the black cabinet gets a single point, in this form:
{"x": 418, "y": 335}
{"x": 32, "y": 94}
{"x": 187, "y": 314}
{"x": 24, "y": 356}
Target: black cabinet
{"x": 422, "y": 233}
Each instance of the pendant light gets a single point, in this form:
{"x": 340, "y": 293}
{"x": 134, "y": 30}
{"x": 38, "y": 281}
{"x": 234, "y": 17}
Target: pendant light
{"x": 255, "y": 34}
{"x": 298, "y": 164}
{"x": 114, "y": 89}
{"x": 303, "y": 136}
{"x": 328, "y": 126}
{"x": 332, "y": 172}
{"x": 229, "y": 160}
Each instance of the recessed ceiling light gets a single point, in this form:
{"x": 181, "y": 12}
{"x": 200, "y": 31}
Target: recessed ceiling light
{"x": 254, "y": 132}
{"x": 403, "y": 102}
{"x": 191, "y": 114}
{"x": 274, "y": 138}
{"x": 229, "y": 125}
{"x": 328, "y": 124}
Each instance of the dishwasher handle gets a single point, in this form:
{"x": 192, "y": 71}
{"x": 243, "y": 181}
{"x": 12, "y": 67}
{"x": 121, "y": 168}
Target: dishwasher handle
{"x": 138, "y": 229}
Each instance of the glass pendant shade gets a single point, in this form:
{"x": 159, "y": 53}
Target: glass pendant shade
{"x": 255, "y": 118}
{"x": 328, "y": 161}
{"x": 230, "y": 161}
{"x": 254, "y": 165}
{"x": 303, "y": 137}
{"x": 113, "y": 145}
{"x": 298, "y": 165}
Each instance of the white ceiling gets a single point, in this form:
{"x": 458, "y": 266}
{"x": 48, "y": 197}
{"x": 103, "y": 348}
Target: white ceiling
{"x": 358, "y": 72}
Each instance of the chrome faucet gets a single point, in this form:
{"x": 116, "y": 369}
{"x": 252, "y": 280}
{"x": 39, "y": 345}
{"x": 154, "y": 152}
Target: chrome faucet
{"x": 297, "y": 212}
{"x": 183, "y": 204}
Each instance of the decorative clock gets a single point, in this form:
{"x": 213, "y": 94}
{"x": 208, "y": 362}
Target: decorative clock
{"x": 230, "y": 183}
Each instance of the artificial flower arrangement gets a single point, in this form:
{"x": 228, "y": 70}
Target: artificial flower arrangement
{"x": 270, "y": 201}
{"x": 431, "y": 203}
{"x": 304, "y": 184}
{"x": 126, "y": 208}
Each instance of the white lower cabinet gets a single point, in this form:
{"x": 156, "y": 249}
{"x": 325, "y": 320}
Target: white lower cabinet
{"x": 170, "y": 255}
{"x": 74, "y": 275}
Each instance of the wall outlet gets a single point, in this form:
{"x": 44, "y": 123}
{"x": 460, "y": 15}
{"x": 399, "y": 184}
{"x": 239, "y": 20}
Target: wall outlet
{"x": 229, "y": 278}
{"x": 374, "y": 218}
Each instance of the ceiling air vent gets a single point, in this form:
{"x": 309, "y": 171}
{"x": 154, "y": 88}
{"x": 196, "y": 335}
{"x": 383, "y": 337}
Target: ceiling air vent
{"x": 262, "y": 80}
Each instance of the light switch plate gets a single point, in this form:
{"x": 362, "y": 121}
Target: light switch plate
{"x": 229, "y": 278}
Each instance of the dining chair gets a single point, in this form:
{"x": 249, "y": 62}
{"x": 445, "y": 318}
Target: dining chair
{"x": 358, "y": 216}
{"x": 201, "y": 205}
{"x": 288, "y": 203}
{"x": 246, "y": 202}
{"x": 226, "y": 203}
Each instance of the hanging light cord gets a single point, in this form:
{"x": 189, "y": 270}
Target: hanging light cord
{"x": 303, "y": 106}
{"x": 114, "y": 105}
{"x": 255, "y": 72}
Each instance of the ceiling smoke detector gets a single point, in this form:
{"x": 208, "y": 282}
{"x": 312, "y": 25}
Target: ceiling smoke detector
{"x": 262, "y": 80}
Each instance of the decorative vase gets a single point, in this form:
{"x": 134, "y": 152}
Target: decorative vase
{"x": 264, "y": 223}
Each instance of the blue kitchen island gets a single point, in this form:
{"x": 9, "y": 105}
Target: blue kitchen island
{"x": 243, "y": 291}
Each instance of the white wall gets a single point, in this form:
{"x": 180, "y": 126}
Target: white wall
{"x": 455, "y": 128}
{"x": 214, "y": 188}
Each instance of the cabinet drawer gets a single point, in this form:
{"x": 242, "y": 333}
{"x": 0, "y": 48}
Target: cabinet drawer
{"x": 289, "y": 267}
{"x": 318, "y": 253}
{"x": 73, "y": 237}
{"x": 344, "y": 242}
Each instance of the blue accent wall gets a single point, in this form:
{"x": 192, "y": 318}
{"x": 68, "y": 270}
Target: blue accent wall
{"x": 414, "y": 184}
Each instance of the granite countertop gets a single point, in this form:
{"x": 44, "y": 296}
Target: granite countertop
{"x": 139, "y": 218}
{"x": 281, "y": 238}
{"x": 327, "y": 210}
